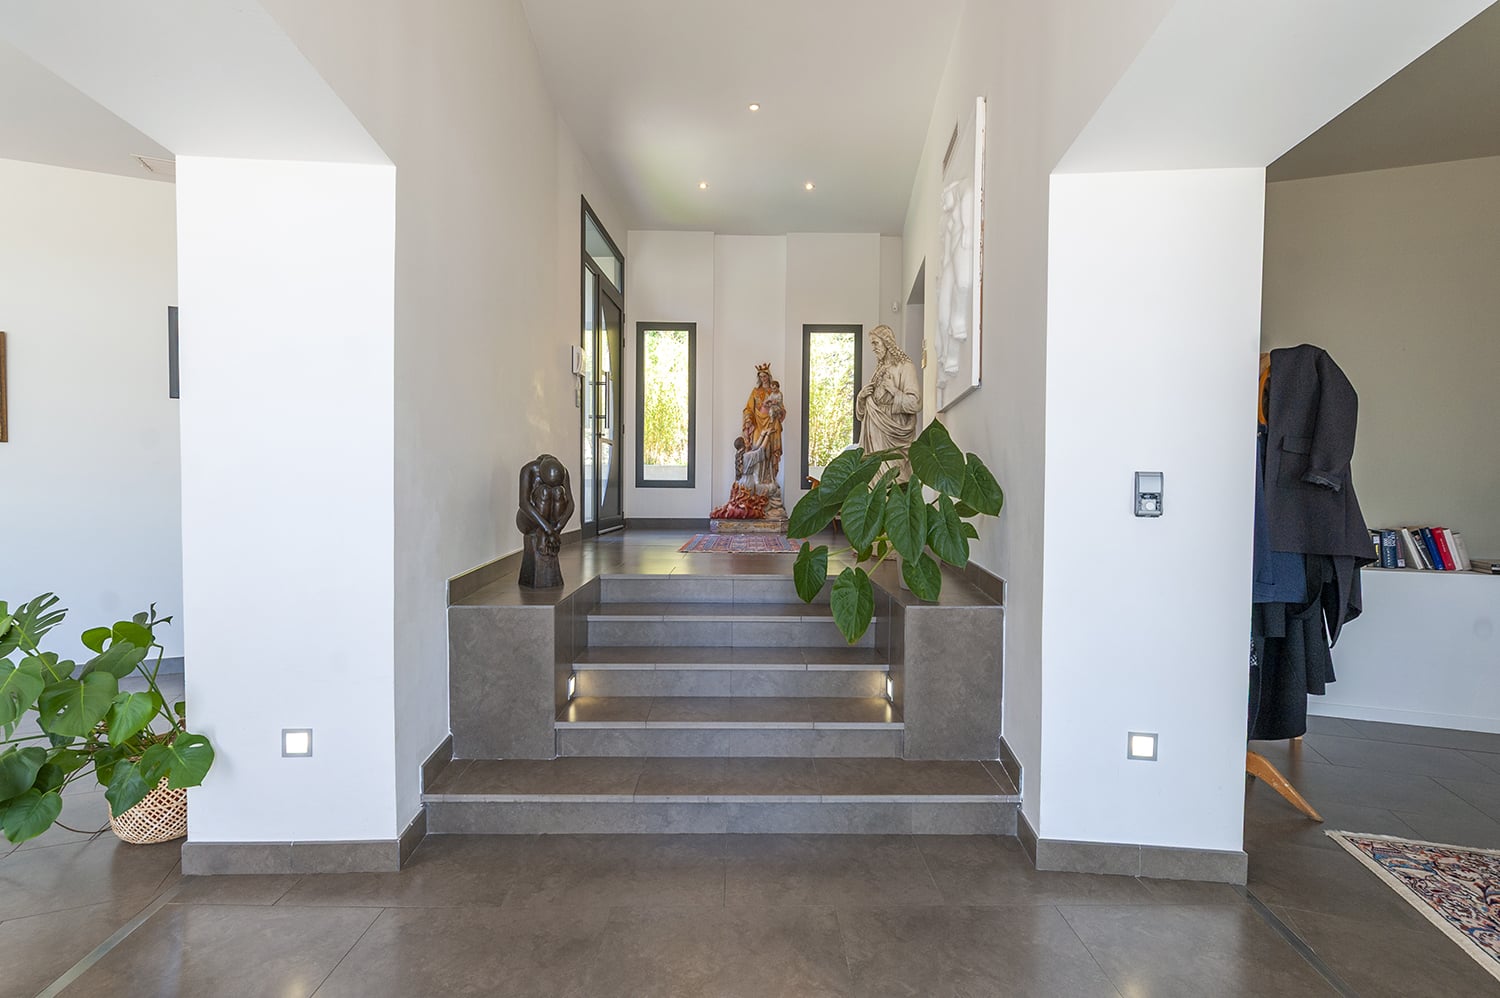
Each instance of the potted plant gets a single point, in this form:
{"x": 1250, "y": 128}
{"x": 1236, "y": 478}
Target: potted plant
{"x": 882, "y": 516}
{"x": 132, "y": 742}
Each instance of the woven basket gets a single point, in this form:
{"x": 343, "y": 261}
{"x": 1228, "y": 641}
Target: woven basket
{"x": 160, "y": 817}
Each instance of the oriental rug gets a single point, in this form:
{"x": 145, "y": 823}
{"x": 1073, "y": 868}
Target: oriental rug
{"x": 740, "y": 544}
{"x": 1457, "y": 888}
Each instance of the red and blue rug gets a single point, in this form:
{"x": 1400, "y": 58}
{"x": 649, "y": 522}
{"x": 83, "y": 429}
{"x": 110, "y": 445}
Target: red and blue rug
{"x": 1456, "y": 887}
{"x": 740, "y": 544}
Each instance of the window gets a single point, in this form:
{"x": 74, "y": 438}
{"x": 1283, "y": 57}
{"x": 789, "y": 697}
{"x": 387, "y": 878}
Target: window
{"x": 830, "y": 379}
{"x": 664, "y": 404}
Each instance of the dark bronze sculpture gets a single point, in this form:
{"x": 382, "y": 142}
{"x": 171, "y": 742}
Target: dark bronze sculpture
{"x": 546, "y": 506}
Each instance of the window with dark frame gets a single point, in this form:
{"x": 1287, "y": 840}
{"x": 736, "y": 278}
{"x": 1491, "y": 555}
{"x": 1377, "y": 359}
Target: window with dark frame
{"x": 665, "y": 404}
{"x": 831, "y": 376}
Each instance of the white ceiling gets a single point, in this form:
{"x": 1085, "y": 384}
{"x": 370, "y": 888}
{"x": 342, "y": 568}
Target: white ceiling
{"x": 656, "y": 92}
{"x": 43, "y": 119}
{"x": 1444, "y": 106}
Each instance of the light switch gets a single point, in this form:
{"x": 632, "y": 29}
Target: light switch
{"x": 1148, "y": 490}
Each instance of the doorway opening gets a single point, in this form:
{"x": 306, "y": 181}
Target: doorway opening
{"x": 602, "y": 409}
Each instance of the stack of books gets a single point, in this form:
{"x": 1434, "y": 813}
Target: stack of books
{"x": 1427, "y": 549}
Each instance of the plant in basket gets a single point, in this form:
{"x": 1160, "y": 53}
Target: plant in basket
{"x": 132, "y": 742}
{"x": 883, "y": 515}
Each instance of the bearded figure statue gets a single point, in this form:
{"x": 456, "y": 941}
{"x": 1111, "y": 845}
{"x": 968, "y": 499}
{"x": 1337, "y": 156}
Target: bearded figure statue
{"x": 890, "y": 406}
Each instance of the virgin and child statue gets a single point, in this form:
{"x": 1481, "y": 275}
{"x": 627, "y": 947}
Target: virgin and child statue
{"x": 756, "y": 492}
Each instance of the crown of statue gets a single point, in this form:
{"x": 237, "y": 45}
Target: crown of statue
{"x": 762, "y": 368}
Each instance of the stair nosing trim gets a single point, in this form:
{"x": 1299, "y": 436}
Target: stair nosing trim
{"x": 483, "y": 798}
{"x": 736, "y": 725}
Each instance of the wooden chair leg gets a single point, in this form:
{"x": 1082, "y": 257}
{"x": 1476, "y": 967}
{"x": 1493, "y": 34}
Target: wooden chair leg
{"x": 1260, "y": 767}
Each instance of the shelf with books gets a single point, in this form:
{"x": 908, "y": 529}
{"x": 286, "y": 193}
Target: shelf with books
{"x": 1427, "y": 549}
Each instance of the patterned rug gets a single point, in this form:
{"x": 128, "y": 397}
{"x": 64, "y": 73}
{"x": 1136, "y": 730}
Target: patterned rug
{"x": 1456, "y": 887}
{"x": 740, "y": 544}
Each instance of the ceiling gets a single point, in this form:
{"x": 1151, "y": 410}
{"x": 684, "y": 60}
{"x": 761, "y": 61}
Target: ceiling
{"x": 46, "y": 120}
{"x": 1444, "y": 106}
{"x": 656, "y": 92}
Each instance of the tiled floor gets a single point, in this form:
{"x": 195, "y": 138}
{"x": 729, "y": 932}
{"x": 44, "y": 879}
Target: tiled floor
{"x": 788, "y": 915}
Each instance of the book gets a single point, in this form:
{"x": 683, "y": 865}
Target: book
{"x": 1490, "y": 565}
{"x": 1439, "y": 534}
{"x": 1389, "y": 554}
{"x": 1460, "y": 550}
{"x": 1432, "y": 549}
{"x": 1416, "y": 551}
{"x": 1375, "y": 540}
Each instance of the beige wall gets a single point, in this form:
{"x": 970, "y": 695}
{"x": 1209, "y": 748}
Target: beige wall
{"x": 1394, "y": 273}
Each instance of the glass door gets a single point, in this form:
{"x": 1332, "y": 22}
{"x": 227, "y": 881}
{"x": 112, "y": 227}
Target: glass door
{"x": 602, "y": 402}
{"x": 609, "y": 453}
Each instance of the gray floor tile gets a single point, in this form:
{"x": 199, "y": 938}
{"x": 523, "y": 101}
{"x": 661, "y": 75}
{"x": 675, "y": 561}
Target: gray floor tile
{"x": 852, "y": 710}
{"x": 614, "y": 870}
{"x": 1191, "y": 951}
{"x": 1370, "y": 788}
{"x": 41, "y": 948}
{"x": 1480, "y": 794}
{"x": 686, "y": 778}
{"x": 1325, "y": 880}
{"x": 997, "y": 772}
{"x": 1331, "y": 726}
{"x": 826, "y": 869}
{"x": 583, "y": 777}
{"x": 983, "y": 870}
{"x": 901, "y": 777}
{"x": 1288, "y": 753}
{"x": 448, "y": 871}
{"x": 1395, "y": 757}
{"x": 761, "y": 777}
{"x": 1271, "y": 822}
{"x": 1192, "y": 892}
{"x": 964, "y": 952}
{"x": 442, "y": 951}
{"x": 88, "y": 811}
{"x": 238, "y": 889}
{"x": 1412, "y": 734}
{"x": 35, "y": 881}
{"x": 197, "y": 950}
{"x": 749, "y": 952}
{"x": 739, "y": 710}
{"x": 613, "y": 709}
{"x": 1470, "y": 828}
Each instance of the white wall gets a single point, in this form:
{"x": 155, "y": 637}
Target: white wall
{"x": 288, "y": 425}
{"x": 750, "y": 295}
{"x": 1394, "y": 273}
{"x": 669, "y": 277}
{"x": 89, "y": 483}
{"x": 1152, "y": 333}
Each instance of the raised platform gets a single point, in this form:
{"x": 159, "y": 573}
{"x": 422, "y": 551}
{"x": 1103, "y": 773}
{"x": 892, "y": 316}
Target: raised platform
{"x": 725, "y": 525}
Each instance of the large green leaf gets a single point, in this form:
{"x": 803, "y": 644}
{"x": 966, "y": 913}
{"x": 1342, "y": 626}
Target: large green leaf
{"x": 59, "y": 765}
{"x": 47, "y": 667}
{"x": 864, "y": 511}
{"x": 945, "y": 534}
{"x": 30, "y": 814}
{"x": 810, "y": 515}
{"x": 130, "y": 714}
{"x": 18, "y": 769}
{"x": 810, "y": 571}
{"x": 136, "y": 634}
{"x": 93, "y": 639}
{"x": 10, "y": 635}
{"x": 127, "y": 787}
{"x": 841, "y": 474}
{"x": 937, "y": 461}
{"x": 18, "y": 692}
{"x": 73, "y": 706}
{"x": 980, "y": 490}
{"x": 119, "y": 661}
{"x": 906, "y": 520}
{"x": 853, "y": 603}
{"x": 185, "y": 762}
{"x": 37, "y": 617}
{"x": 923, "y": 577}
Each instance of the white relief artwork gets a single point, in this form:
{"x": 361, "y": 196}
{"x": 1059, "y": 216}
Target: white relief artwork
{"x": 960, "y": 263}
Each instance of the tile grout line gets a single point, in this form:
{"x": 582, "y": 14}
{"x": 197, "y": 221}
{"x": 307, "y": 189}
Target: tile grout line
{"x": 1076, "y": 935}
{"x": 378, "y": 916}
{"x": 99, "y": 952}
{"x": 1296, "y": 942}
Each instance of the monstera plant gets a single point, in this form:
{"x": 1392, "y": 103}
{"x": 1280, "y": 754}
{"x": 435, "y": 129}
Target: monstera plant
{"x": 882, "y": 516}
{"x": 129, "y": 741}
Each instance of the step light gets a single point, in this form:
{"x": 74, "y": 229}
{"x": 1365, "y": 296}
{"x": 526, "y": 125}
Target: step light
{"x": 572, "y": 685}
{"x": 890, "y": 690}
{"x": 296, "y": 743}
{"x": 1141, "y": 745}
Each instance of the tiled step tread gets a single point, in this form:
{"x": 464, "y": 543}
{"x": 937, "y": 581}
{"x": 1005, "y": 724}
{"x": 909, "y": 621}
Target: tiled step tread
{"x": 729, "y": 712}
{"x": 655, "y": 780}
{"x": 772, "y": 612}
{"x": 685, "y": 657}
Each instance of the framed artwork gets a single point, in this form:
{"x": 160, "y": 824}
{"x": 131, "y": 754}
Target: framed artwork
{"x": 960, "y": 272}
{"x": 4, "y": 423}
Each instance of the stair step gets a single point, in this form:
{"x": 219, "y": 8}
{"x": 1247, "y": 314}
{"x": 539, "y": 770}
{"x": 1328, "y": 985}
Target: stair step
{"x": 625, "y": 795}
{"x": 684, "y": 588}
{"x": 798, "y": 625}
{"x": 720, "y": 713}
{"x": 729, "y": 658}
{"x": 722, "y": 682}
{"x": 728, "y": 612}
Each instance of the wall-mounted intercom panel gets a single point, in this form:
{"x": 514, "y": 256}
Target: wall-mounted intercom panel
{"x": 1148, "y": 489}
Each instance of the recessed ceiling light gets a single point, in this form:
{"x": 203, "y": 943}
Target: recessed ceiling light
{"x": 754, "y": 106}
{"x": 703, "y": 185}
{"x": 809, "y": 186}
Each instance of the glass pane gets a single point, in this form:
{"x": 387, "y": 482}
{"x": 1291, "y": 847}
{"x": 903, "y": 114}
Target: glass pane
{"x": 597, "y": 248}
{"x": 830, "y": 397}
{"x": 589, "y": 505}
{"x": 611, "y": 506}
{"x": 666, "y": 394}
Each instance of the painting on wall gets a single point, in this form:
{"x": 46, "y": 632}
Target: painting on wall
{"x": 961, "y": 262}
{"x": 4, "y": 423}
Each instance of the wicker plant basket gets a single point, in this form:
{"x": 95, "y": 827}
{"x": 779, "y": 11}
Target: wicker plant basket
{"x": 160, "y": 817}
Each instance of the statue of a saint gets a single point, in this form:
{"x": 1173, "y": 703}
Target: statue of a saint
{"x": 763, "y": 415}
{"x": 890, "y": 406}
{"x": 546, "y": 506}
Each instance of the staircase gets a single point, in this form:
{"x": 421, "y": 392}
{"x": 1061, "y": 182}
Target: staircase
{"x": 713, "y": 704}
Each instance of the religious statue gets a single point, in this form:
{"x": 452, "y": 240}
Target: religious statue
{"x": 546, "y": 506}
{"x": 756, "y": 492}
{"x": 890, "y": 406}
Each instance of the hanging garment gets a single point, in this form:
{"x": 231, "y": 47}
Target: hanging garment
{"x": 1279, "y": 576}
{"x": 1290, "y": 656}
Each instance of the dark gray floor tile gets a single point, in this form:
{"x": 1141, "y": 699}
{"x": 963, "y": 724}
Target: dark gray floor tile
{"x": 984, "y": 870}
{"x": 1289, "y": 752}
{"x": 901, "y": 777}
{"x": 39, "y": 949}
{"x": 996, "y": 769}
{"x": 826, "y": 869}
{"x": 1331, "y": 726}
{"x": 612, "y": 709}
{"x": 615, "y": 870}
{"x": 770, "y": 777}
{"x": 576, "y": 776}
{"x": 1469, "y": 828}
{"x": 1413, "y": 734}
{"x": 965, "y": 952}
{"x": 1379, "y": 960}
{"x": 87, "y": 811}
{"x": 1379, "y": 788}
{"x": 1395, "y": 757}
{"x": 1320, "y": 879}
{"x": 749, "y": 952}
{"x": 35, "y": 881}
{"x": 1489, "y": 759}
{"x": 449, "y": 952}
{"x": 238, "y": 889}
{"x": 447, "y": 871}
{"x": 197, "y": 950}
{"x": 1270, "y": 821}
{"x": 1190, "y": 951}
{"x": 1191, "y": 892}
{"x": 691, "y": 778}
{"x": 853, "y": 710}
{"x": 1483, "y": 795}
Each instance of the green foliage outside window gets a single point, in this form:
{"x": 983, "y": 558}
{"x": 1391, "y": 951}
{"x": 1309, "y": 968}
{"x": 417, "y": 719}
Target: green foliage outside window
{"x": 664, "y": 430}
{"x": 830, "y": 396}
